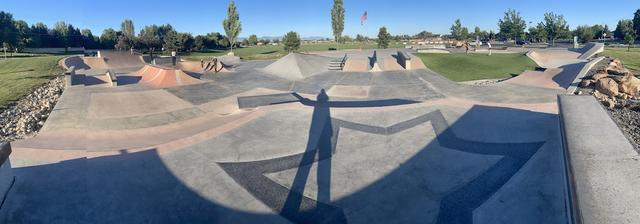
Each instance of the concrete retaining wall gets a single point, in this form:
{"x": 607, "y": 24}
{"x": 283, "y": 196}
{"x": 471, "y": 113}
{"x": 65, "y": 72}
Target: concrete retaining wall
{"x": 603, "y": 167}
{"x": 6, "y": 174}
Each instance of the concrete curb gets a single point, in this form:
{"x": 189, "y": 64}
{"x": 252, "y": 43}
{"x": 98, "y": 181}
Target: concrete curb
{"x": 602, "y": 166}
{"x": 576, "y": 82}
{"x": 6, "y": 175}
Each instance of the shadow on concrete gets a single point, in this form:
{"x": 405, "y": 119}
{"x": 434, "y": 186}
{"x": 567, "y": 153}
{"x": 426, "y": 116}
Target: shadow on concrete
{"x": 128, "y": 80}
{"x": 404, "y": 188}
{"x": 362, "y": 103}
{"x": 319, "y": 142}
{"x": 92, "y": 80}
{"x": 568, "y": 74}
{"x": 126, "y": 188}
{"x": 140, "y": 188}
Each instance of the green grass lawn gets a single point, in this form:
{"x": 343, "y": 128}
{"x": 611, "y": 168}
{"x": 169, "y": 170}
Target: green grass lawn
{"x": 630, "y": 59}
{"x": 275, "y": 52}
{"x": 461, "y": 67}
{"x": 18, "y": 76}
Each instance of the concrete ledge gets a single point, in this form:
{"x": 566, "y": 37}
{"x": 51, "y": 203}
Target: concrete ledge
{"x": 6, "y": 174}
{"x": 112, "y": 78}
{"x": 603, "y": 167}
{"x": 404, "y": 60}
{"x": 69, "y": 75}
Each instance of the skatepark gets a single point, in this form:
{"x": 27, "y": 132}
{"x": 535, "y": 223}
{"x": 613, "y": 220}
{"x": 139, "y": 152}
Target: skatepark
{"x": 324, "y": 137}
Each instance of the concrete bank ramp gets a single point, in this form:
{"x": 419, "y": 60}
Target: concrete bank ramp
{"x": 163, "y": 77}
{"x": 121, "y": 59}
{"x": 83, "y": 63}
{"x": 591, "y": 49}
{"x": 296, "y": 66}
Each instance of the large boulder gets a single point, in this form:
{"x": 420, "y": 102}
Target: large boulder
{"x": 599, "y": 76}
{"x": 607, "y": 86}
{"x": 617, "y": 71}
{"x": 629, "y": 85}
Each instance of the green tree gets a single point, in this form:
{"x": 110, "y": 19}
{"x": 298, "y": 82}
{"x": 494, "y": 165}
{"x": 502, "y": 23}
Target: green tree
{"x": 465, "y": 33}
{"x": 636, "y": 22}
{"x": 253, "y": 40}
{"x": 291, "y": 41}
{"x": 88, "y": 40}
{"x": 556, "y": 26}
{"x": 512, "y": 25}
{"x": 171, "y": 41}
{"x": 109, "y": 38}
{"x": 40, "y": 37}
{"x": 337, "y": 20}
{"x": 127, "y": 28}
{"x": 149, "y": 37}
{"x": 185, "y": 42}
{"x": 538, "y": 33}
{"x": 629, "y": 39}
{"x": 8, "y": 31}
{"x": 383, "y": 37}
{"x": 24, "y": 37}
{"x": 231, "y": 24}
{"x": 199, "y": 43}
{"x": 360, "y": 38}
{"x": 623, "y": 28}
{"x": 456, "y": 30}
{"x": 123, "y": 43}
{"x": 584, "y": 33}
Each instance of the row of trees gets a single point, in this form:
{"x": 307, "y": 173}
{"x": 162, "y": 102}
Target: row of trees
{"x": 554, "y": 26}
{"x": 17, "y": 35}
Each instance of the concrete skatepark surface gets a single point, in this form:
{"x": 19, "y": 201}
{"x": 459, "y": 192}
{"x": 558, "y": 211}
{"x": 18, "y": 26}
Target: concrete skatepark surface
{"x": 249, "y": 146}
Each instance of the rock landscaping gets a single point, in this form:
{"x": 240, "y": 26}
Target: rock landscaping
{"x": 27, "y": 115}
{"x": 617, "y": 88}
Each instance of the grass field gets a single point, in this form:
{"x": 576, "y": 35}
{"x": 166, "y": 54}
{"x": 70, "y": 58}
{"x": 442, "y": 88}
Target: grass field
{"x": 462, "y": 67}
{"x": 18, "y": 76}
{"x": 630, "y": 59}
{"x": 275, "y": 52}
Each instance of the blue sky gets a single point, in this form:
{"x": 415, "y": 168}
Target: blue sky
{"x": 312, "y": 17}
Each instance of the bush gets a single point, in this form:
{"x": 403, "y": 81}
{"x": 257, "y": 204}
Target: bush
{"x": 291, "y": 41}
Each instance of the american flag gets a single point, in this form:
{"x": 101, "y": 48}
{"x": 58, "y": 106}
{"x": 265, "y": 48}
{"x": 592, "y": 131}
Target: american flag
{"x": 363, "y": 18}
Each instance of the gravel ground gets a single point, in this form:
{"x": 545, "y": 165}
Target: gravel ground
{"x": 628, "y": 120}
{"x": 27, "y": 116}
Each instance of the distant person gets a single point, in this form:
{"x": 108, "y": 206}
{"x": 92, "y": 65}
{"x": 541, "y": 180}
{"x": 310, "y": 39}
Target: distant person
{"x": 489, "y": 44}
{"x": 466, "y": 47}
{"x": 201, "y": 63}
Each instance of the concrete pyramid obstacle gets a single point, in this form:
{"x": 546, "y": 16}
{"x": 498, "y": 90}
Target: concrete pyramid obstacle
{"x": 163, "y": 77}
{"x": 296, "y": 66}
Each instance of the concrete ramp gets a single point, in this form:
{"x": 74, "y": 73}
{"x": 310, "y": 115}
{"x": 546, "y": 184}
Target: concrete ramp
{"x": 591, "y": 49}
{"x": 83, "y": 63}
{"x": 553, "y": 58}
{"x": 121, "y": 59}
{"x": 296, "y": 66}
{"x": 163, "y": 77}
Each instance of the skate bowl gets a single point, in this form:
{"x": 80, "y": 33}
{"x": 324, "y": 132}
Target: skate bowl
{"x": 83, "y": 63}
{"x": 553, "y": 58}
{"x": 164, "y": 77}
{"x": 297, "y": 66}
{"x": 121, "y": 59}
